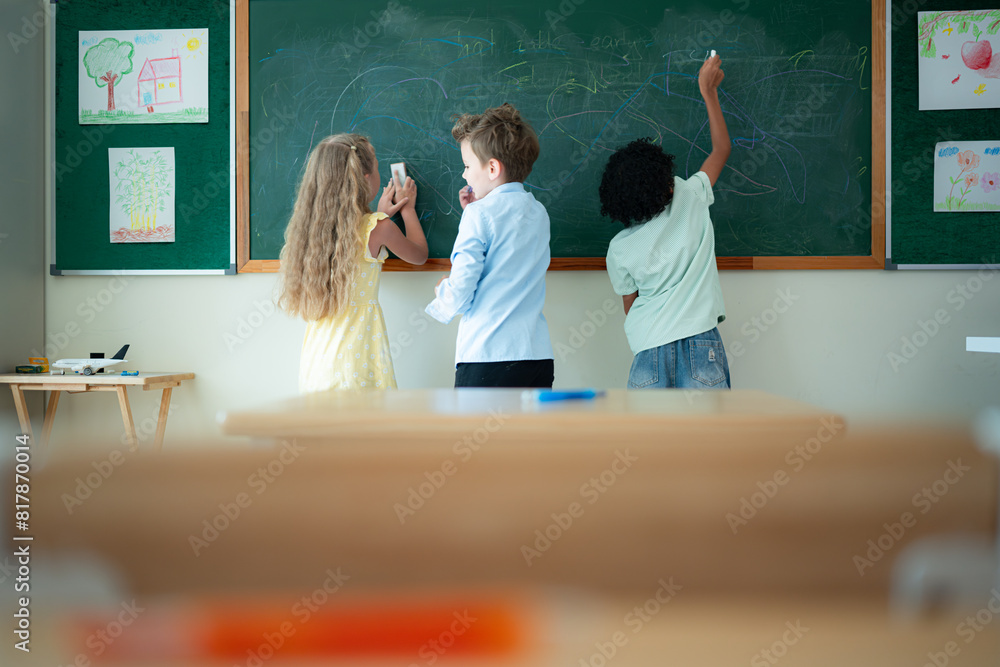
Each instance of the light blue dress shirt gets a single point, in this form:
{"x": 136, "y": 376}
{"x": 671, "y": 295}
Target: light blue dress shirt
{"x": 497, "y": 281}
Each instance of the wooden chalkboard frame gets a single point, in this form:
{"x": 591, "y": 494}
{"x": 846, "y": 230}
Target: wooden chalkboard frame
{"x": 875, "y": 260}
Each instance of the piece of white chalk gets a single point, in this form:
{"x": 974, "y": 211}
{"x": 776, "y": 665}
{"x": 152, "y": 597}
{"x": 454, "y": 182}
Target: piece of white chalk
{"x": 713, "y": 54}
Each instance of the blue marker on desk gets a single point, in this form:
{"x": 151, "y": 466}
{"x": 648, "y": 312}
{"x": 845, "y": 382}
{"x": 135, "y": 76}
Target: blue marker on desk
{"x": 549, "y": 395}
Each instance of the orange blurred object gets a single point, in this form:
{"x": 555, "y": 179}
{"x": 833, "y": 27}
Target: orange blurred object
{"x": 255, "y": 629}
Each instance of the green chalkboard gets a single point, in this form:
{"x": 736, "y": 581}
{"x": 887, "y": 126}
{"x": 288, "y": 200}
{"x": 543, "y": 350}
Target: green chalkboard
{"x": 204, "y": 230}
{"x": 590, "y": 75}
{"x": 918, "y": 236}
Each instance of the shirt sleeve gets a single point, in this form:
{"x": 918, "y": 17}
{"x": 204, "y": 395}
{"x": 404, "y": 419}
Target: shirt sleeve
{"x": 702, "y": 187}
{"x": 455, "y": 293}
{"x": 621, "y": 281}
{"x": 374, "y": 219}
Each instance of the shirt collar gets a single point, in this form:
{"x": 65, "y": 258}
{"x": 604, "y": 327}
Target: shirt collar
{"x": 513, "y": 186}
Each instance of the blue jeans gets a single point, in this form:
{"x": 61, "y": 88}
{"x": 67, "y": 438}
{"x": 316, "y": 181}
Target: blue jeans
{"x": 696, "y": 362}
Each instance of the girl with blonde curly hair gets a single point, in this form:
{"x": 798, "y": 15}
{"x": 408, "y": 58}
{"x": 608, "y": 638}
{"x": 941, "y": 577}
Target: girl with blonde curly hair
{"x": 331, "y": 264}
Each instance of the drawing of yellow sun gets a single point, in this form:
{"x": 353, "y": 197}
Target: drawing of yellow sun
{"x": 980, "y": 90}
{"x": 194, "y": 44}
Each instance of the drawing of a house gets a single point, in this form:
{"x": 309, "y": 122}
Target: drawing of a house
{"x": 160, "y": 81}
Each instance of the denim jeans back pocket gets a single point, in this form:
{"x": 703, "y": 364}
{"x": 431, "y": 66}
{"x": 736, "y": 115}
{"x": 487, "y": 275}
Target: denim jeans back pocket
{"x": 645, "y": 369}
{"x": 707, "y": 362}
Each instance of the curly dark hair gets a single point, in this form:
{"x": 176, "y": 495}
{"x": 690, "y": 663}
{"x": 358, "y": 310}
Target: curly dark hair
{"x": 638, "y": 183}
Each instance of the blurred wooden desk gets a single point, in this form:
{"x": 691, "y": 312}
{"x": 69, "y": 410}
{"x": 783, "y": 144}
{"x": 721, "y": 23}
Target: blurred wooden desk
{"x": 73, "y": 383}
{"x": 438, "y": 490}
{"x": 462, "y": 512}
{"x": 500, "y": 415}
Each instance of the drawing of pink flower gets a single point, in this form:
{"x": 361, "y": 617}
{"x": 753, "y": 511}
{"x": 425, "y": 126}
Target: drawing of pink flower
{"x": 971, "y": 179}
{"x": 990, "y": 181}
{"x": 968, "y": 160}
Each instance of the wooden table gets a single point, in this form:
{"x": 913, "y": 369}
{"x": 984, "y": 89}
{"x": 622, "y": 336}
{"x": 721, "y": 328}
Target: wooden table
{"x": 74, "y": 383}
{"x": 443, "y": 415}
{"x": 487, "y": 508}
{"x": 444, "y": 490}
{"x": 774, "y": 493}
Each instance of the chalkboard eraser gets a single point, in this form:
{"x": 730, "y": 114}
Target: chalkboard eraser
{"x": 398, "y": 170}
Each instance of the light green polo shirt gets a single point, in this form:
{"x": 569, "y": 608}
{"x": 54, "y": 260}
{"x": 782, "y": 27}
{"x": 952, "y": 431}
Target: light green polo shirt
{"x": 670, "y": 261}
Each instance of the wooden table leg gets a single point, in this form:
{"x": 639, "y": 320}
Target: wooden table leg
{"x": 161, "y": 420}
{"x": 50, "y": 416}
{"x": 133, "y": 441}
{"x": 22, "y": 410}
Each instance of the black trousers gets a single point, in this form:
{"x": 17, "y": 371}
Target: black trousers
{"x": 535, "y": 373}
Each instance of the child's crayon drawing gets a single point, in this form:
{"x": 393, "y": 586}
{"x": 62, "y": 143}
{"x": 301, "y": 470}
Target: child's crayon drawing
{"x": 142, "y": 195}
{"x": 967, "y": 176}
{"x": 143, "y": 76}
{"x": 959, "y": 67}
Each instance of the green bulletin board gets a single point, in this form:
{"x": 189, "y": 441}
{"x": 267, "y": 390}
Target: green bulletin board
{"x": 916, "y": 236}
{"x": 205, "y": 224}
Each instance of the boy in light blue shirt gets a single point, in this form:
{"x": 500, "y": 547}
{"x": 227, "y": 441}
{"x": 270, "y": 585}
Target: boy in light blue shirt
{"x": 663, "y": 262}
{"x": 501, "y": 254}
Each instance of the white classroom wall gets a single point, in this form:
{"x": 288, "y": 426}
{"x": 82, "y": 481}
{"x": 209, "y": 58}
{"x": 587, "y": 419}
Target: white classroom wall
{"x": 22, "y": 206}
{"x": 841, "y": 342}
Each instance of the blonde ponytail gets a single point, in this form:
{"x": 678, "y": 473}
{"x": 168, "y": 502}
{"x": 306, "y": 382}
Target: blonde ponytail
{"x": 324, "y": 236}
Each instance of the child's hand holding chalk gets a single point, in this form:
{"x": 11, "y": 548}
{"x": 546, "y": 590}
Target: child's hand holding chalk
{"x": 466, "y": 196}
{"x": 711, "y": 74}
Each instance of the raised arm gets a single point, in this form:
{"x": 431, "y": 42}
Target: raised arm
{"x": 709, "y": 78}
{"x": 411, "y": 247}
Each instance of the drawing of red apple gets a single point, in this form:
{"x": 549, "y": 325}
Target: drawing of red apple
{"x": 977, "y": 55}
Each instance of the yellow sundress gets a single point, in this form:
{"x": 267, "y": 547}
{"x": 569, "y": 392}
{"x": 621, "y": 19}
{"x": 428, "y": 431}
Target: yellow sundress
{"x": 351, "y": 350}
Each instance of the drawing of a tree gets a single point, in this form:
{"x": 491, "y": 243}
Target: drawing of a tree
{"x": 108, "y": 61}
{"x": 142, "y": 186}
{"x": 964, "y": 20}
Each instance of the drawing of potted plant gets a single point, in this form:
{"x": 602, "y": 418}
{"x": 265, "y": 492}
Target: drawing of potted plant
{"x": 967, "y": 160}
